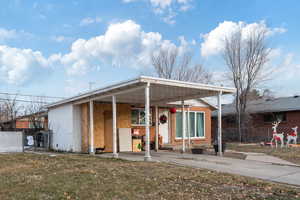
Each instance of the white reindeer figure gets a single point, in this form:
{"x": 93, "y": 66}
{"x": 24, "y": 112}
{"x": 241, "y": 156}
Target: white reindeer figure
{"x": 277, "y": 136}
{"x": 292, "y": 136}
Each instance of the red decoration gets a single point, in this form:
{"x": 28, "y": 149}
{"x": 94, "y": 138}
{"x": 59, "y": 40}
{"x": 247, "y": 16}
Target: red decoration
{"x": 172, "y": 110}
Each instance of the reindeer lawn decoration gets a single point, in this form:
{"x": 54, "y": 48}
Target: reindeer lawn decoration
{"x": 277, "y": 136}
{"x": 292, "y": 136}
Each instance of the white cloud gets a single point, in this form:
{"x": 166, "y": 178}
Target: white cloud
{"x": 74, "y": 86}
{"x": 18, "y": 65}
{"x": 88, "y": 20}
{"x": 123, "y": 44}
{"x": 129, "y": 1}
{"x": 7, "y": 34}
{"x": 214, "y": 40}
{"x": 170, "y": 18}
{"x": 161, "y": 3}
{"x": 167, "y": 9}
{"x": 288, "y": 68}
{"x": 61, "y": 38}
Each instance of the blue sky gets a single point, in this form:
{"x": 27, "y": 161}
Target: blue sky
{"x": 54, "y": 47}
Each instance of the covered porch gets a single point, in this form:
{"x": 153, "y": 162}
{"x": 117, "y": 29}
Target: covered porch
{"x": 148, "y": 93}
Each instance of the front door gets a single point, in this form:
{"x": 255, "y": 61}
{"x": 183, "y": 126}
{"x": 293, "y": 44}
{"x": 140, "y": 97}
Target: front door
{"x": 164, "y": 126}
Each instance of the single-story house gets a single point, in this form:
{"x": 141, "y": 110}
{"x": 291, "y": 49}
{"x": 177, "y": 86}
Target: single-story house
{"x": 130, "y": 115}
{"x": 263, "y": 112}
{"x": 31, "y": 121}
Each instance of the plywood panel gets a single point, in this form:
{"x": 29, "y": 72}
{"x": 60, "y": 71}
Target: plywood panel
{"x": 98, "y": 126}
{"x": 108, "y": 131}
{"x": 123, "y": 120}
{"x": 85, "y": 128}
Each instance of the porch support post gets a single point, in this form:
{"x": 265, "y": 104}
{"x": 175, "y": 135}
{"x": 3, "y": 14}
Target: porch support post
{"x": 220, "y": 123}
{"x": 92, "y": 150}
{"x": 114, "y": 125}
{"x": 147, "y": 113}
{"x": 183, "y": 127}
{"x": 156, "y": 127}
{"x": 188, "y": 126}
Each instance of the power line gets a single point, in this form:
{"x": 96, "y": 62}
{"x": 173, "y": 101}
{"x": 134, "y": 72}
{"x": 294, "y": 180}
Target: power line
{"x": 28, "y": 95}
{"x": 21, "y": 100}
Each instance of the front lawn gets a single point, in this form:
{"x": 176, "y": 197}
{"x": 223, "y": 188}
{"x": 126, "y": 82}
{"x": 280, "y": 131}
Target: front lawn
{"x": 70, "y": 176}
{"x": 291, "y": 154}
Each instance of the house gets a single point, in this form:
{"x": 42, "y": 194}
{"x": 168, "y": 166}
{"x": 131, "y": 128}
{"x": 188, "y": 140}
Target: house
{"x": 262, "y": 112}
{"x": 145, "y": 111}
{"x": 31, "y": 121}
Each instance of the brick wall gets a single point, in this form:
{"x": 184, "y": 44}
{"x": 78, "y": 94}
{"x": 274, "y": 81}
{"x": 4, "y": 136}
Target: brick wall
{"x": 259, "y": 130}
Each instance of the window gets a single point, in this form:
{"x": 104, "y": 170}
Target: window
{"x": 196, "y": 124}
{"x": 138, "y": 116}
{"x": 271, "y": 117}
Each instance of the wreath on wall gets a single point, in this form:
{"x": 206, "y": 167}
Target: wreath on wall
{"x": 163, "y": 119}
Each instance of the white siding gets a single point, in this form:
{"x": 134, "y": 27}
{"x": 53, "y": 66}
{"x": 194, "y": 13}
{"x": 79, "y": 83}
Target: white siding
{"x": 77, "y": 127}
{"x": 63, "y": 121}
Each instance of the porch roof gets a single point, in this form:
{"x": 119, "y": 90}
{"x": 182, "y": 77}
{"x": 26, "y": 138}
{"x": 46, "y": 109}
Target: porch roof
{"x": 162, "y": 91}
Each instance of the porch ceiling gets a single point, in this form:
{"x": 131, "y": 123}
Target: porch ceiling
{"x": 162, "y": 92}
{"x": 159, "y": 94}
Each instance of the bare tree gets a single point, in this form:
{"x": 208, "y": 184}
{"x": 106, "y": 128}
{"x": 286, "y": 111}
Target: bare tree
{"x": 10, "y": 108}
{"x": 246, "y": 60}
{"x": 169, "y": 64}
{"x": 35, "y": 115}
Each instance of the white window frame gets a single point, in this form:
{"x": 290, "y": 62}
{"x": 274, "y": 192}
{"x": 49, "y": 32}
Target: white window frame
{"x": 195, "y": 124}
{"x": 143, "y": 109}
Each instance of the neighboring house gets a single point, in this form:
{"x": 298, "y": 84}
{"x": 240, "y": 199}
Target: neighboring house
{"x": 89, "y": 121}
{"x": 32, "y": 121}
{"x": 262, "y": 113}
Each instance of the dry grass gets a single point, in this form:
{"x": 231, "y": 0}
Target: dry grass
{"x": 32, "y": 176}
{"x": 289, "y": 154}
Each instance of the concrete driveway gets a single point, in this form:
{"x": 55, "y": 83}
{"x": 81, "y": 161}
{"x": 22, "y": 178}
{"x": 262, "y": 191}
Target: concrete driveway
{"x": 283, "y": 173}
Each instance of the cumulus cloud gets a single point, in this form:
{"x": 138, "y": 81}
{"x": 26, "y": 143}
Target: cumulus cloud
{"x": 123, "y": 44}
{"x": 167, "y": 9}
{"x": 18, "y": 65}
{"x": 214, "y": 40}
{"x": 88, "y": 20}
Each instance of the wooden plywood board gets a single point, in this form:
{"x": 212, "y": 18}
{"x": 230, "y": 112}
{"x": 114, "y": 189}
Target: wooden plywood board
{"x": 108, "y": 132}
{"x": 85, "y": 128}
{"x": 100, "y": 122}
